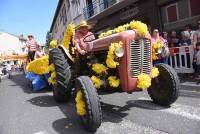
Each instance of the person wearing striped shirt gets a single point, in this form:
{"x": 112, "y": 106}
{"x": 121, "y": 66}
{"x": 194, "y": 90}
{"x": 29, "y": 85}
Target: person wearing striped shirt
{"x": 32, "y": 47}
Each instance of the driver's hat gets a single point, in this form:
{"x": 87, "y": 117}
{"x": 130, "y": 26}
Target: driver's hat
{"x": 30, "y": 35}
{"x": 83, "y": 24}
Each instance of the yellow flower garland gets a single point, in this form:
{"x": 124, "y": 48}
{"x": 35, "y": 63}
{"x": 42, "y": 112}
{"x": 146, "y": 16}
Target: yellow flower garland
{"x": 113, "y": 81}
{"x": 52, "y": 79}
{"x": 144, "y": 81}
{"x": 155, "y": 48}
{"x": 80, "y": 104}
{"x": 53, "y": 43}
{"x": 68, "y": 36}
{"x": 99, "y": 68}
{"x": 154, "y": 72}
{"x": 52, "y": 67}
{"x": 110, "y": 61}
{"x": 39, "y": 66}
{"x": 140, "y": 27}
{"x": 97, "y": 82}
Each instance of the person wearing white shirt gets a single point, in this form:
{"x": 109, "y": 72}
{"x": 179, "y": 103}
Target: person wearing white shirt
{"x": 189, "y": 32}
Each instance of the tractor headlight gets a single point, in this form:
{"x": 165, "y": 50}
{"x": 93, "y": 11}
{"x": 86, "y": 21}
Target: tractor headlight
{"x": 119, "y": 52}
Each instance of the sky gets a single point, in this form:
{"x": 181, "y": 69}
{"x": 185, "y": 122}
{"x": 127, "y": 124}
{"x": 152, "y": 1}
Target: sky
{"x": 27, "y": 17}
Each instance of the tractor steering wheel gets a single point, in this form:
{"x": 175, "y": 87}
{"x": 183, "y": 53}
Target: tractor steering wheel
{"x": 86, "y": 41}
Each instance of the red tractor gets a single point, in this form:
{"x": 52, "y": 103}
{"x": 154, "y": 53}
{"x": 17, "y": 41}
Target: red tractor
{"x": 134, "y": 58}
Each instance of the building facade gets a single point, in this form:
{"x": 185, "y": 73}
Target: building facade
{"x": 176, "y": 14}
{"x": 103, "y": 15}
{"x": 112, "y": 13}
{"x": 67, "y": 11}
{"x": 62, "y": 17}
{"x": 11, "y": 44}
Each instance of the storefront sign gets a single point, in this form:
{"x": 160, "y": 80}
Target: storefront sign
{"x": 129, "y": 13}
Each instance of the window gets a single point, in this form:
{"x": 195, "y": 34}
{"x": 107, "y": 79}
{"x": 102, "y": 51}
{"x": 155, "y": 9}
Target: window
{"x": 56, "y": 28}
{"x": 60, "y": 17}
{"x": 76, "y": 7}
{"x": 68, "y": 4}
{"x": 172, "y": 14}
{"x": 64, "y": 15}
{"x": 195, "y": 9}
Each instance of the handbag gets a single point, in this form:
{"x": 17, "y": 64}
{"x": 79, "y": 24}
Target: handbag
{"x": 165, "y": 50}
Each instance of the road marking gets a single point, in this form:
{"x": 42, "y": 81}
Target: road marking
{"x": 41, "y": 132}
{"x": 126, "y": 127}
{"x": 49, "y": 93}
{"x": 189, "y": 112}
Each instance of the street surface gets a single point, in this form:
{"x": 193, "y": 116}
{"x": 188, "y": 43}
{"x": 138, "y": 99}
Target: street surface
{"x": 23, "y": 111}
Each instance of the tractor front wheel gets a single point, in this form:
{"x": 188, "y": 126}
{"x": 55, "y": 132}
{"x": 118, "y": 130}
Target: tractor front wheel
{"x": 164, "y": 89}
{"x": 87, "y": 104}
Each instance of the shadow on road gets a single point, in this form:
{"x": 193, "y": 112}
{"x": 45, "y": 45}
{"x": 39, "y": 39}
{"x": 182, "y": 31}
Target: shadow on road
{"x": 20, "y": 80}
{"x": 43, "y": 101}
{"x": 68, "y": 125}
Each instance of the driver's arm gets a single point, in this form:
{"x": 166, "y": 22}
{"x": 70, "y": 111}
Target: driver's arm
{"x": 77, "y": 45}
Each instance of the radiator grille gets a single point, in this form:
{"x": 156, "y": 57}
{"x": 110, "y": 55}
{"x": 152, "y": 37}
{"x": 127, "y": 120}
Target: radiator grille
{"x": 140, "y": 54}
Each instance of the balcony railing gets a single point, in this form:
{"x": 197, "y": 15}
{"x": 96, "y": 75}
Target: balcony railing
{"x": 96, "y": 7}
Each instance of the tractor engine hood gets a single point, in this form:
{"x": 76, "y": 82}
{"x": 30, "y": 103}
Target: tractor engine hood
{"x": 104, "y": 43}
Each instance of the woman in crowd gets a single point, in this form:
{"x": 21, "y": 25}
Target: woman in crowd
{"x": 156, "y": 38}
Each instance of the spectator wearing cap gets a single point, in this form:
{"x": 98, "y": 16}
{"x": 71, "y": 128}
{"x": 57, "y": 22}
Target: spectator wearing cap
{"x": 196, "y": 36}
{"x": 32, "y": 46}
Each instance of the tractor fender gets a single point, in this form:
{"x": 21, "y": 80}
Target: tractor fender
{"x": 66, "y": 52}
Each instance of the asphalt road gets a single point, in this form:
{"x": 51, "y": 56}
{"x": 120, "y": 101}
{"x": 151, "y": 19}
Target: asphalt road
{"x": 23, "y": 111}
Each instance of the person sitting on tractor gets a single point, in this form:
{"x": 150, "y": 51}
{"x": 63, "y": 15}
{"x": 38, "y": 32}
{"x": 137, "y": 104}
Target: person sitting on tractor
{"x": 82, "y": 33}
{"x": 81, "y": 40}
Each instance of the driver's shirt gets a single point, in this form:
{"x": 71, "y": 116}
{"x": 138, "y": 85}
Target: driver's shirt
{"x": 79, "y": 40}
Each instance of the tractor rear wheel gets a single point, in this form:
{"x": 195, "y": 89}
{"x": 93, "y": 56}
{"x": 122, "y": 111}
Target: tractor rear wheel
{"x": 62, "y": 88}
{"x": 164, "y": 89}
{"x": 92, "y": 115}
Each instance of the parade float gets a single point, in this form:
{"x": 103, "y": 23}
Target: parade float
{"x": 120, "y": 59}
{"x": 38, "y": 72}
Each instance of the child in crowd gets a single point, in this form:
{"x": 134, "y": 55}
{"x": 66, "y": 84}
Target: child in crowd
{"x": 185, "y": 40}
{"x": 197, "y": 61}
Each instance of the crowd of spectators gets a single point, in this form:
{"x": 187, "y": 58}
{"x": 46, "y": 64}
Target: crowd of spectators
{"x": 186, "y": 37}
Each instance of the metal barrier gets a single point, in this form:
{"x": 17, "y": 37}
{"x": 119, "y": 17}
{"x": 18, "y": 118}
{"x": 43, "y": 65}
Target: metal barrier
{"x": 181, "y": 59}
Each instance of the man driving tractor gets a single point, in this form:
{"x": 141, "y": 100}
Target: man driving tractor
{"x": 81, "y": 33}
{"x": 81, "y": 41}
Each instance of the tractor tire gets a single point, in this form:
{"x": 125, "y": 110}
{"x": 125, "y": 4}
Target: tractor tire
{"x": 92, "y": 120}
{"x": 164, "y": 89}
{"x": 61, "y": 90}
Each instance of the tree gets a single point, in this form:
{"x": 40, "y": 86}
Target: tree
{"x": 48, "y": 38}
